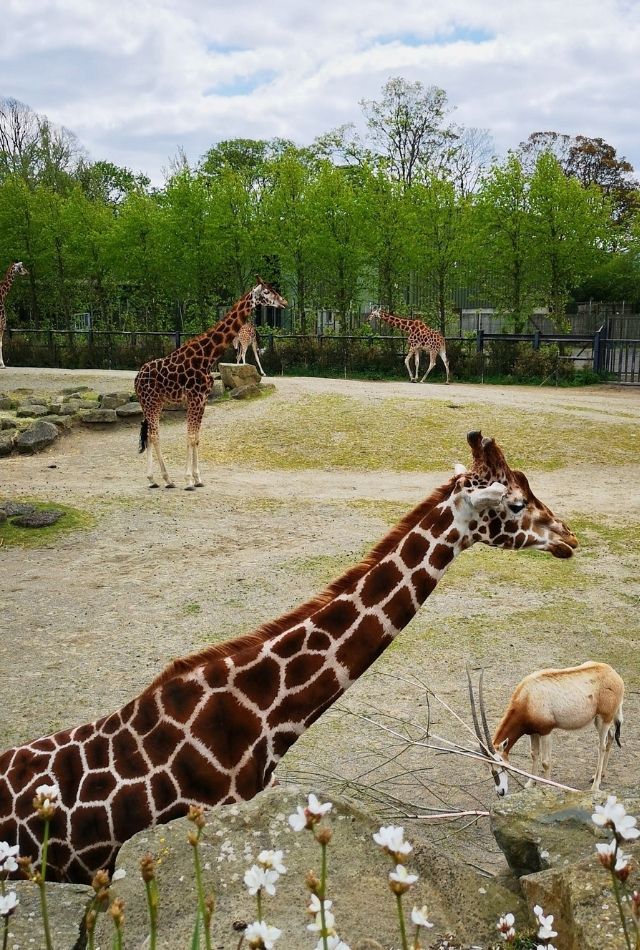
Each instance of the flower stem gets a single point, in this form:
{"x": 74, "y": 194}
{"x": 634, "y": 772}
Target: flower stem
{"x": 5, "y": 935}
{"x": 323, "y": 894}
{"x": 43, "y": 886}
{"x": 201, "y": 905}
{"x": 152, "y": 903}
{"x": 259, "y": 902}
{"x": 623, "y": 918}
{"x": 403, "y": 929}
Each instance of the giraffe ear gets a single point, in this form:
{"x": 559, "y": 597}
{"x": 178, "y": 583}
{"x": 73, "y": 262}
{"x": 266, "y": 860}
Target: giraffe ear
{"x": 459, "y": 469}
{"x": 488, "y": 497}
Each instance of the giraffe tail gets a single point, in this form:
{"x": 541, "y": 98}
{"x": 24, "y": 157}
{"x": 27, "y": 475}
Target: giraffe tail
{"x": 144, "y": 435}
{"x": 236, "y": 342}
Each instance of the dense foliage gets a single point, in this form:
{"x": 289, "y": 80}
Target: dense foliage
{"x": 416, "y": 214}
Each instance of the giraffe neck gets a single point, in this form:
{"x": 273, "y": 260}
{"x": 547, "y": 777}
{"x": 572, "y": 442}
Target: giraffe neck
{"x": 216, "y": 340}
{"x": 7, "y": 281}
{"x": 403, "y": 323}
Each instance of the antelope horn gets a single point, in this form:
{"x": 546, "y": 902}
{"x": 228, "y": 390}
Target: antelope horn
{"x": 483, "y": 713}
{"x": 474, "y": 712}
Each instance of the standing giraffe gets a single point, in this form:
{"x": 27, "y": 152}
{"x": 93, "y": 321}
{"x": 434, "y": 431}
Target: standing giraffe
{"x": 248, "y": 337}
{"x": 186, "y": 374}
{"x": 419, "y": 337}
{"x": 212, "y": 727}
{"x": 12, "y": 271}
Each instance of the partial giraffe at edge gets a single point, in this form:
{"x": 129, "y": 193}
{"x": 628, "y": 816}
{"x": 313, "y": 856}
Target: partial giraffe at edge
{"x": 213, "y": 726}
{"x": 186, "y": 374}
{"x": 248, "y": 337}
{"x": 13, "y": 270}
{"x": 419, "y": 337}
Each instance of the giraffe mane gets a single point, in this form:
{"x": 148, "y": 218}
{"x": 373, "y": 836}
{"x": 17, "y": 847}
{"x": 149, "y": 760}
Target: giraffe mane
{"x": 293, "y": 617}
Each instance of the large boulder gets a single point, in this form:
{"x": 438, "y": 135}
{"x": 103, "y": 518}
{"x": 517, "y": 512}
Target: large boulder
{"x": 62, "y": 421}
{"x": 459, "y": 900}
{"x": 129, "y": 410}
{"x": 7, "y": 423}
{"x": 113, "y": 400}
{"x": 32, "y": 410}
{"x": 37, "y": 437}
{"x": 67, "y": 904}
{"x": 99, "y": 416}
{"x": 234, "y": 375}
{"x": 248, "y": 391}
{"x": 7, "y": 442}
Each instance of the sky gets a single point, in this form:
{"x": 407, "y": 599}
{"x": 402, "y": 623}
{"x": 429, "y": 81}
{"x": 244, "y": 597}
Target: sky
{"x": 136, "y": 81}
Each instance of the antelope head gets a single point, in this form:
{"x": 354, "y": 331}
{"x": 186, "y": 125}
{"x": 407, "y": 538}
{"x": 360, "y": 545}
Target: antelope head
{"x": 496, "y": 758}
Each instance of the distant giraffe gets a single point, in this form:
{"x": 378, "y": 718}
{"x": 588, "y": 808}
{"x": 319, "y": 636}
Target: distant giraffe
{"x": 186, "y": 374}
{"x": 12, "y": 271}
{"x": 248, "y": 337}
{"x": 419, "y": 337}
{"x": 212, "y": 727}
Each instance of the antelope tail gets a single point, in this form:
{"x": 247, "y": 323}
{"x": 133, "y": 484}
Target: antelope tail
{"x": 617, "y": 732}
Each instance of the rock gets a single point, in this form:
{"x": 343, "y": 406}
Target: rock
{"x": 3, "y": 516}
{"x": 582, "y": 902}
{"x": 249, "y": 391}
{"x": 62, "y": 422}
{"x": 113, "y": 400}
{"x": 129, "y": 411}
{"x": 6, "y": 443}
{"x": 459, "y": 900}
{"x": 67, "y": 905}
{"x": 6, "y": 423}
{"x": 37, "y": 437}
{"x": 39, "y": 519}
{"x": 234, "y": 375}
{"x": 545, "y": 827}
{"x": 12, "y": 508}
{"x": 68, "y": 408}
{"x": 34, "y": 410}
{"x": 92, "y": 416}
{"x": 6, "y": 402}
{"x": 71, "y": 390}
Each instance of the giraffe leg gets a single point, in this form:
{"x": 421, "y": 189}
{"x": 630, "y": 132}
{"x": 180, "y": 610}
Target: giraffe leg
{"x": 408, "y": 365}
{"x": 443, "y": 357}
{"x": 155, "y": 441}
{"x": 244, "y": 355}
{"x": 432, "y": 363}
{"x": 255, "y": 353}
{"x": 195, "y": 412}
{"x": 153, "y": 436}
{"x": 2, "y": 366}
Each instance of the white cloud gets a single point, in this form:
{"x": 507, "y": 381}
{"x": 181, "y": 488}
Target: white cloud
{"x": 135, "y": 81}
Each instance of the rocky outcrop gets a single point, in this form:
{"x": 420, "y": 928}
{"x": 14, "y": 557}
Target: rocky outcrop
{"x": 104, "y": 416}
{"x": 129, "y": 410}
{"x": 234, "y": 375}
{"x": 549, "y": 840}
{"x": 31, "y": 410}
{"x": 113, "y": 400}
{"x": 67, "y": 904}
{"x": 459, "y": 900}
{"x": 37, "y": 437}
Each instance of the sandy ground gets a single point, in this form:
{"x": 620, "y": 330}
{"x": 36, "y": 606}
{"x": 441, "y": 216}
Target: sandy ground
{"x": 88, "y": 621}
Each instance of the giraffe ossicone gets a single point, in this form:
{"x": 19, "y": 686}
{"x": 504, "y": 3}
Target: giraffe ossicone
{"x": 185, "y": 374}
{"x": 213, "y": 726}
{"x": 14, "y": 270}
{"x": 419, "y": 337}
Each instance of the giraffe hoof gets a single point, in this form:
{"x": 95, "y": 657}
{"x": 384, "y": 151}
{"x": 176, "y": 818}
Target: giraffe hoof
{"x": 199, "y": 485}
{"x": 170, "y": 485}
{"x": 190, "y": 488}
{"x": 153, "y": 485}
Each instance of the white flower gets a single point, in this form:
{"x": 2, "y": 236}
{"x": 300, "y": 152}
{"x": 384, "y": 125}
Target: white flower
{"x": 315, "y": 904}
{"x": 52, "y": 792}
{"x": 8, "y": 855}
{"x": 545, "y": 931}
{"x": 272, "y": 859}
{"x": 329, "y": 924}
{"x": 317, "y": 809}
{"x": 419, "y": 917}
{"x": 333, "y": 943}
{"x": 391, "y": 839}
{"x": 506, "y": 927}
{"x": 257, "y": 878}
{"x": 298, "y": 820}
{"x": 8, "y": 903}
{"x": 118, "y": 875}
{"x": 402, "y": 876}
{"x": 613, "y": 813}
{"x": 260, "y": 934}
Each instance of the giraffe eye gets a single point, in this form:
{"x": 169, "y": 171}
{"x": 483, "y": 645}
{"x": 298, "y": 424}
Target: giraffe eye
{"x": 517, "y": 506}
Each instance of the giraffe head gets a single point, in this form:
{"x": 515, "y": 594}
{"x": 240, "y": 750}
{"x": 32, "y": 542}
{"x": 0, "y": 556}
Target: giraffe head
{"x": 263, "y": 294}
{"x": 19, "y": 268}
{"x": 496, "y": 505}
{"x": 374, "y": 314}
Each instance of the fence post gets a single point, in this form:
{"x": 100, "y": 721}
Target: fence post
{"x": 177, "y": 338}
{"x": 600, "y": 349}
{"x": 536, "y": 340}
{"x": 480, "y": 341}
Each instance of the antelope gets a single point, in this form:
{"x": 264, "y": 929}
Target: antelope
{"x": 569, "y": 699}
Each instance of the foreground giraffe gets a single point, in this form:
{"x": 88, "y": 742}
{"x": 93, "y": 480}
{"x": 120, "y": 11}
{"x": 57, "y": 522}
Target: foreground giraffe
{"x": 212, "y": 727}
{"x": 186, "y": 374}
{"x": 12, "y": 272}
{"x": 248, "y": 337}
{"x": 419, "y": 337}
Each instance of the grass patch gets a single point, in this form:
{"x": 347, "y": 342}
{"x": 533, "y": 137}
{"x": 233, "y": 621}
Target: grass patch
{"x": 73, "y": 519}
{"x": 412, "y": 435}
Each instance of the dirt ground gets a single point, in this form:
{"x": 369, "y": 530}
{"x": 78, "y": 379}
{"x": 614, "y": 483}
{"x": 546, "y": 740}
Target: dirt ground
{"x": 89, "y": 620}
